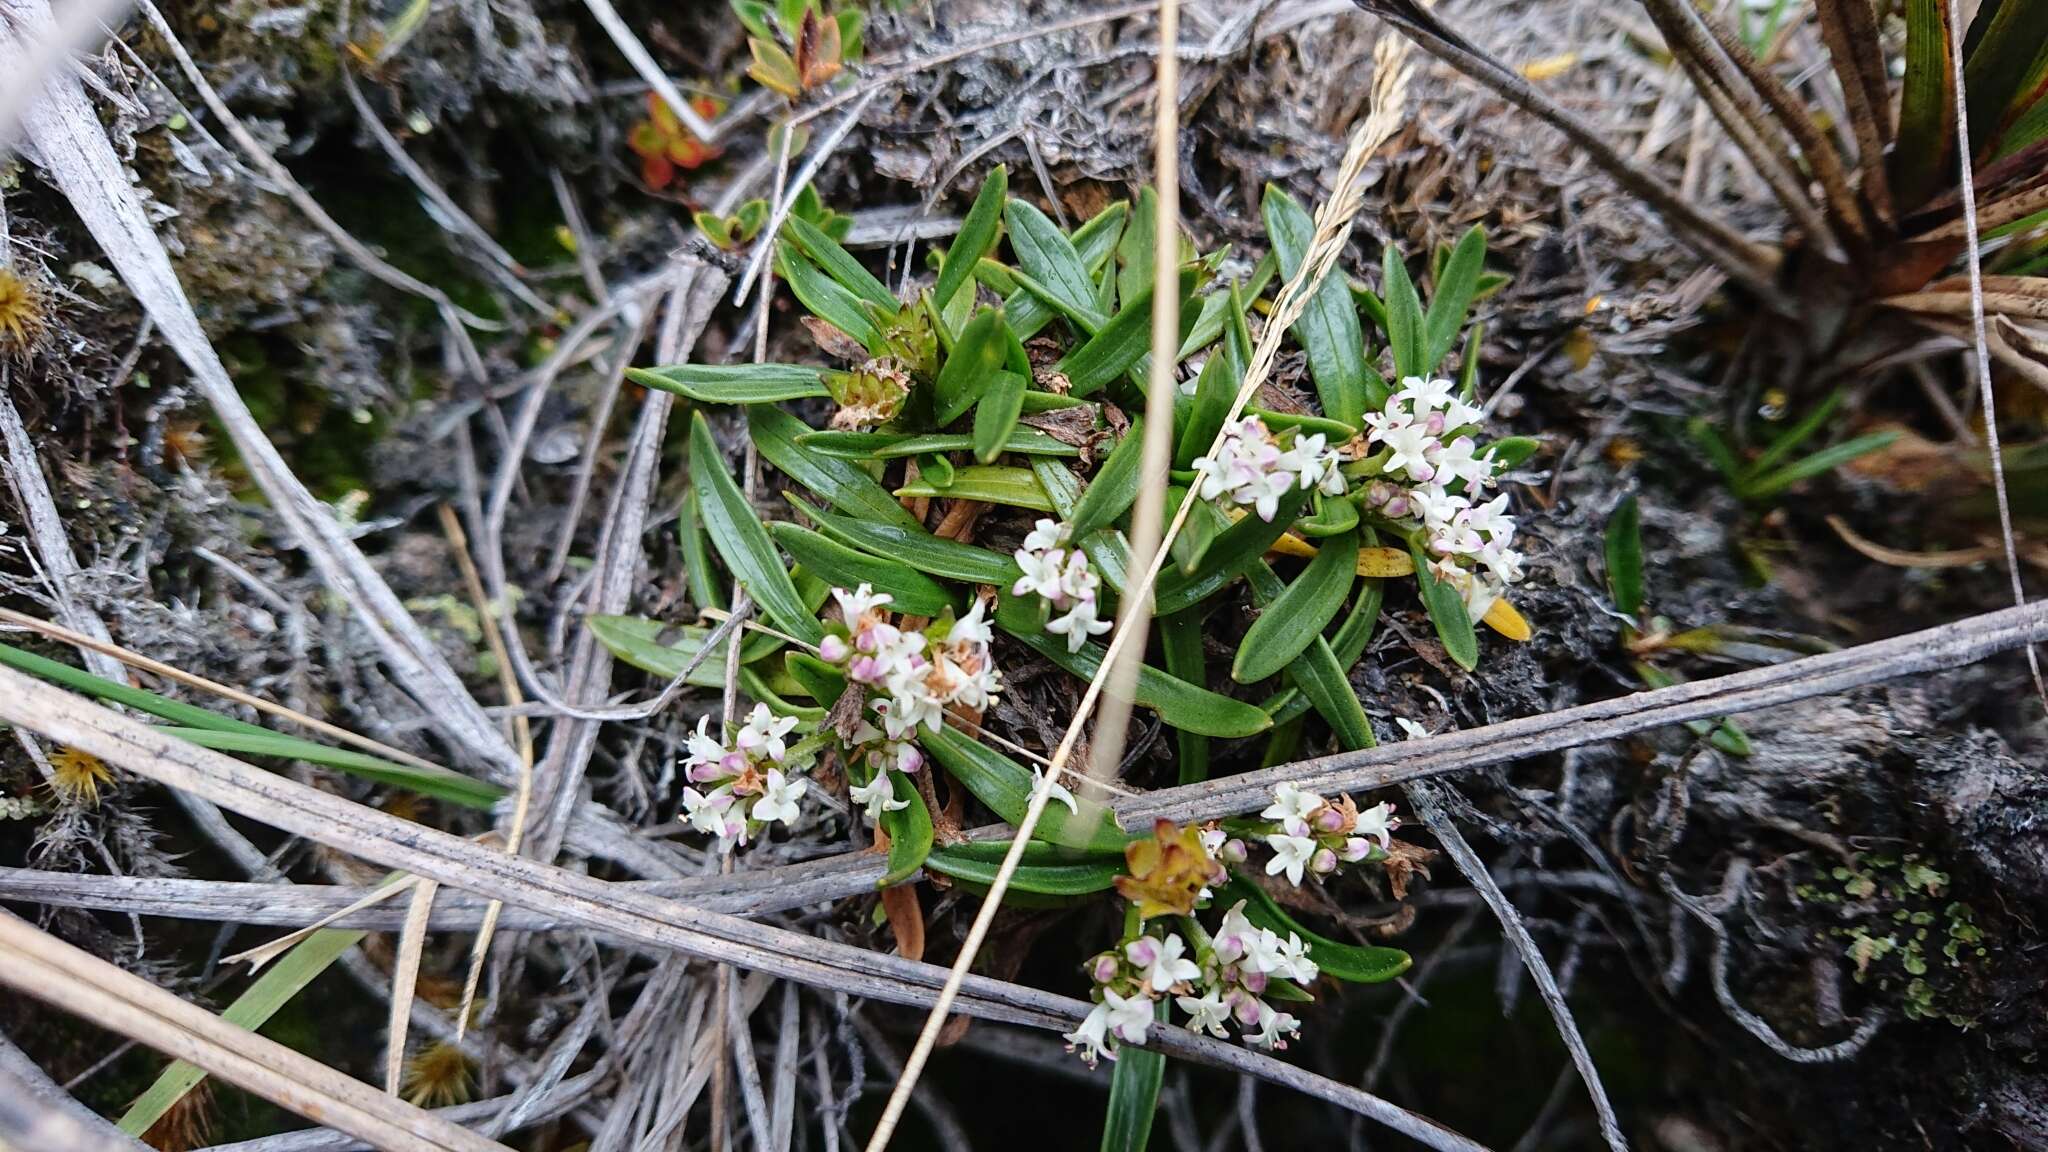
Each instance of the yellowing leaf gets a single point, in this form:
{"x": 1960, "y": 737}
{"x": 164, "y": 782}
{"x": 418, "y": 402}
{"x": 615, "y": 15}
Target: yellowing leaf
{"x": 1506, "y": 620}
{"x": 1549, "y": 67}
{"x": 1385, "y": 562}
{"x": 1290, "y": 545}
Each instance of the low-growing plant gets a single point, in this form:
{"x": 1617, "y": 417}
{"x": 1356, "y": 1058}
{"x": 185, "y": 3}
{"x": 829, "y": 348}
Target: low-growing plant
{"x": 798, "y": 45}
{"x": 999, "y": 403}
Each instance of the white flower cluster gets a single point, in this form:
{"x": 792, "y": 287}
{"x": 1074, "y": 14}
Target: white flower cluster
{"x": 751, "y": 781}
{"x": 1314, "y": 834}
{"x": 922, "y": 676}
{"x": 1434, "y": 475}
{"x": 1224, "y": 982}
{"x": 1060, "y": 575}
{"x": 1250, "y": 467}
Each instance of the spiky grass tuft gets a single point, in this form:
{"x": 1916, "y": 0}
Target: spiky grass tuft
{"x": 77, "y": 777}
{"x": 438, "y": 1076}
{"x": 23, "y": 320}
{"x": 187, "y": 1125}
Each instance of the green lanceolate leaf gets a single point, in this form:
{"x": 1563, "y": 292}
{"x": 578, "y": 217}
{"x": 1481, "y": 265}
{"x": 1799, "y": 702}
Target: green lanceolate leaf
{"x": 827, "y": 299}
{"x": 1453, "y": 296}
{"x": 1927, "y": 119}
{"x": 995, "y": 417}
{"x": 1004, "y": 785}
{"x": 440, "y": 783}
{"x": 1509, "y": 451}
{"x": 1215, "y": 388}
{"x": 977, "y": 235}
{"x": 1406, "y": 328}
{"x": 273, "y": 989}
{"x": 741, "y": 541}
{"x": 915, "y": 547}
{"x": 733, "y": 383}
{"x": 1236, "y": 549}
{"x": 1350, "y": 962}
{"x": 1303, "y": 421}
{"x": 1185, "y": 706}
{"x": 1114, "y": 487}
{"x": 1328, "y": 328}
{"x": 891, "y": 445}
{"x": 1332, "y": 516}
{"x": 988, "y": 483}
{"x": 1180, "y": 648}
{"x": 1297, "y": 617}
{"x": 1048, "y": 258}
{"x": 1795, "y": 434}
{"x": 1625, "y": 556}
{"x": 1318, "y": 673}
{"x": 1215, "y": 313}
{"x": 1134, "y": 1094}
{"x": 1134, "y": 249}
{"x": 910, "y": 832}
{"x": 840, "y": 265}
{"x": 2006, "y": 49}
{"x": 825, "y": 683}
{"x": 977, "y": 356}
{"x": 843, "y": 567}
{"x": 1447, "y": 612}
{"x": 1118, "y": 345}
{"x": 836, "y": 482}
{"x": 706, "y": 590}
{"x": 1823, "y": 461}
{"x": 1096, "y": 239}
{"x": 1108, "y": 552}
{"x": 1065, "y": 877}
{"x": 665, "y": 649}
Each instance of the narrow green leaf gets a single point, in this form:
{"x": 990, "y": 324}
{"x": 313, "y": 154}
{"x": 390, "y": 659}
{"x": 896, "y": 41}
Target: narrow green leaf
{"x": 1134, "y": 250}
{"x": 175, "y": 711}
{"x": 1134, "y": 1093}
{"x": 1625, "y": 556}
{"x": 1304, "y": 422}
{"x": 1349, "y": 962}
{"x": 1076, "y": 878}
{"x": 1115, "y": 485}
{"x": 1215, "y": 388}
{"x": 1236, "y": 549}
{"x": 915, "y": 547}
{"x": 1298, "y": 615}
{"x": 733, "y": 383}
{"x": 440, "y": 783}
{"x": 1328, "y": 328}
{"x": 843, "y": 567}
{"x": 1332, "y": 516}
{"x": 1108, "y": 552}
{"x": 2005, "y": 50}
{"x": 891, "y": 445}
{"x": 1096, "y": 239}
{"x": 1452, "y": 298}
{"x": 1927, "y": 118}
{"x": 665, "y": 649}
{"x": 1447, "y": 612}
{"x": 1318, "y": 674}
{"x": 1181, "y": 650}
{"x": 1795, "y": 434}
{"x": 976, "y": 358}
{"x": 1509, "y": 451}
{"x": 1825, "y": 460}
{"x": 827, "y": 299}
{"x": 976, "y": 236}
{"x": 840, "y": 265}
{"x": 836, "y": 482}
{"x": 825, "y": 683}
{"x": 995, "y": 417}
{"x": 910, "y": 832}
{"x": 741, "y": 541}
{"x": 1005, "y": 787}
{"x": 1046, "y": 256}
{"x": 283, "y": 979}
{"x": 1356, "y": 631}
{"x": 706, "y": 590}
{"x": 1118, "y": 345}
{"x": 1215, "y": 314}
{"x": 989, "y": 483}
{"x": 1406, "y": 332}
{"x": 1185, "y": 706}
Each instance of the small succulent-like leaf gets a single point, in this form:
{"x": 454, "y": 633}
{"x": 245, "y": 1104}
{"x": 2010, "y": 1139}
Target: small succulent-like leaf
{"x": 892, "y": 445}
{"x": 824, "y": 682}
{"x": 840, "y": 265}
{"x": 1114, "y": 487}
{"x": 843, "y": 567}
{"x": 976, "y": 236}
{"x": 1318, "y": 674}
{"x": 1046, "y": 256}
{"x": 1452, "y": 298}
{"x": 1406, "y": 328}
{"x": 1236, "y": 549}
{"x": 995, "y": 416}
{"x": 827, "y": 299}
{"x": 1625, "y": 556}
{"x": 989, "y": 483}
{"x": 1215, "y": 388}
{"x": 1298, "y": 615}
{"x": 979, "y": 353}
{"x": 1181, "y": 650}
{"x": 1447, "y": 612}
{"x": 737, "y": 534}
{"x": 1056, "y": 877}
{"x": 1005, "y": 787}
{"x": 910, "y": 832}
{"x": 733, "y": 383}
{"x": 1134, "y": 1094}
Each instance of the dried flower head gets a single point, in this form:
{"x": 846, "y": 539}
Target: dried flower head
{"x": 1170, "y": 871}
{"x": 437, "y": 1076}
{"x": 77, "y": 777}
{"x": 22, "y": 317}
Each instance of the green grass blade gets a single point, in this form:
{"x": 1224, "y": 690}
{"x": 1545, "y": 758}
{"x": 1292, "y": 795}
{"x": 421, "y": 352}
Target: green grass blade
{"x": 733, "y": 383}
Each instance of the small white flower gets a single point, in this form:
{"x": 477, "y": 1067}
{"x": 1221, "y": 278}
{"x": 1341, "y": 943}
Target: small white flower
{"x": 1490, "y": 518}
{"x": 1291, "y": 805}
{"x": 1236, "y": 936}
{"x": 878, "y": 796}
{"x": 1290, "y": 855}
{"x": 702, "y": 748}
{"x": 764, "y": 733}
{"x": 1092, "y": 1037}
{"x": 1129, "y": 1017}
{"x": 1162, "y": 962}
{"x": 1042, "y": 573}
{"x": 1078, "y": 625}
{"x": 1213, "y": 840}
{"x": 1378, "y": 822}
{"x": 859, "y": 602}
{"x": 1410, "y": 445}
{"x": 1045, "y": 534}
{"x": 971, "y": 629}
{"x": 1275, "y": 1027}
{"x": 1291, "y": 962}
{"x": 1054, "y": 791}
{"x": 778, "y": 798}
{"x": 1206, "y": 1013}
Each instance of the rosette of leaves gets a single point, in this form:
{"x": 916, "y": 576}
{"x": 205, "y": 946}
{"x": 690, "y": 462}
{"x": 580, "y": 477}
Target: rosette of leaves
{"x": 798, "y": 45}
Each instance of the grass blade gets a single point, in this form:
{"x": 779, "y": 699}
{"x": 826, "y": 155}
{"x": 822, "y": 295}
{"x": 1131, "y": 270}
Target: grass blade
{"x": 736, "y": 533}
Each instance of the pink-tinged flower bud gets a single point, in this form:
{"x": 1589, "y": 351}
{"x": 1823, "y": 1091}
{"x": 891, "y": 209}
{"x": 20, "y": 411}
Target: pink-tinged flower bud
{"x": 733, "y": 763}
{"x": 1254, "y": 982}
{"x": 1328, "y": 819}
{"x": 1247, "y": 1009}
{"x": 1323, "y": 862}
{"x": 1355, "y": 849}
{"x": 833, "y": 649}
{"x": 1435, "y": 424}
{"x": 865, "y": 670}
{"x": 909, "y": 759}
{"x": 1234, "y": 851}
{"x": 1144, "y": 951}
{"x": 1399, "y": 506}
{"x": 867, "y": 640}
{"x": 1105, "y": 968}
{"x": 1422, "y": 473}
{"x": 1378, "y": 493}
{"x": 705, "y": 773}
